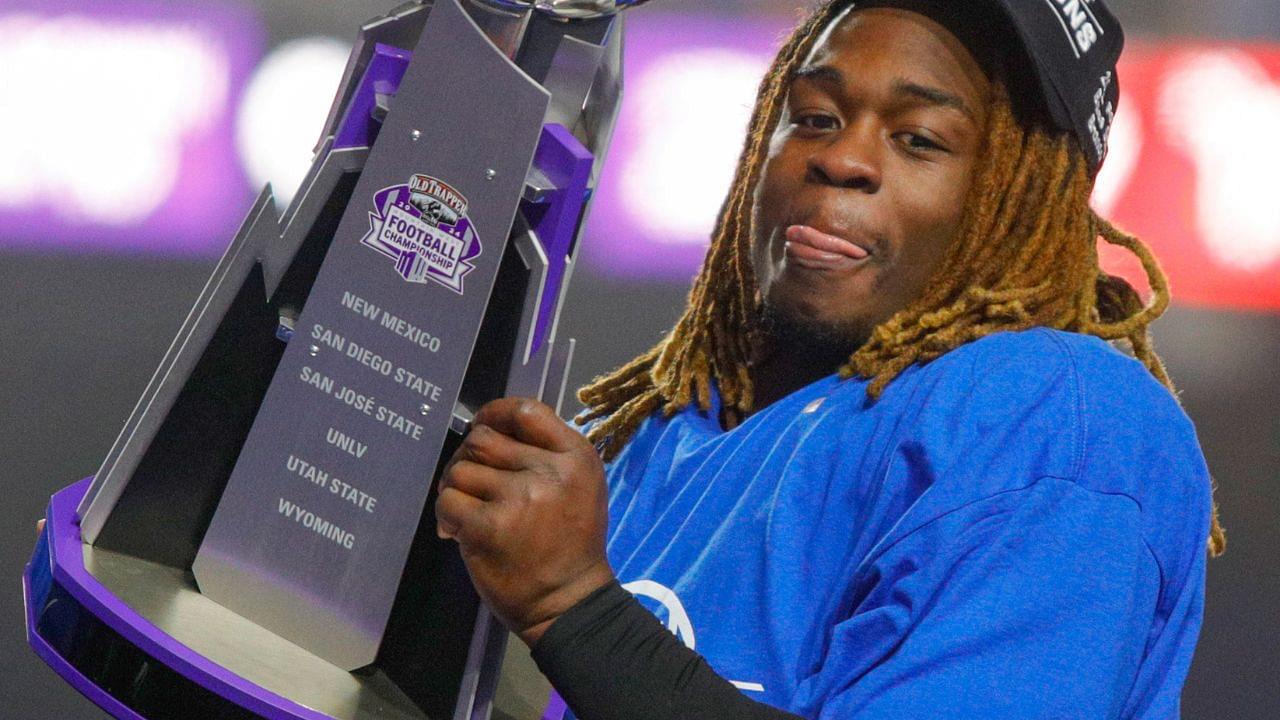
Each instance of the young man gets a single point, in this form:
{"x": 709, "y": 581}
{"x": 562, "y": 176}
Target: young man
{"x": 886, "y": 465}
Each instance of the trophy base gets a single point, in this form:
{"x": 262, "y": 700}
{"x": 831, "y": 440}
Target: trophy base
{"x": 140, "y": 641}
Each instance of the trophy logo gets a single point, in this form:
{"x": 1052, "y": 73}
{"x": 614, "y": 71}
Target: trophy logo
{"x": 423, "y": 227}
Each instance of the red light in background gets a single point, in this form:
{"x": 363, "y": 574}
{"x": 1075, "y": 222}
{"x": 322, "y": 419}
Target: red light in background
{"x": 1195, "y": 154}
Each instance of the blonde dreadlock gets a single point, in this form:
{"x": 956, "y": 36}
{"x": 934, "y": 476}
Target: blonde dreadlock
{"x": 1031, "y": 192}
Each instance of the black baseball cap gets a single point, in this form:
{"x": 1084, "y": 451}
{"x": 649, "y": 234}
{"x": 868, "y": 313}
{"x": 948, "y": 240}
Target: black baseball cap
{"x": 1071, "y": 46}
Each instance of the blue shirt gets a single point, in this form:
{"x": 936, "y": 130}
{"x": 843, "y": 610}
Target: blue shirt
{"x": 1015, "y": 530}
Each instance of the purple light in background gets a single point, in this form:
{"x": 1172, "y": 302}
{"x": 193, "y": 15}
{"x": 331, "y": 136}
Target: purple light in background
{"x": 690, "y": 83}
{"x": 124, "y": 136}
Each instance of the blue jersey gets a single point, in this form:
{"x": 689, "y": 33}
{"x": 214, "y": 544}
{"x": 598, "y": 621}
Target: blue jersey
{"x": 1015, "y": 530}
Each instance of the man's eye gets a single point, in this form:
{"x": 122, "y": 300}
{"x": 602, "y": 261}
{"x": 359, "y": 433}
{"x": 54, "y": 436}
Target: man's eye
{"x": 918, "y": 142}
{"x": 814, "y": 121}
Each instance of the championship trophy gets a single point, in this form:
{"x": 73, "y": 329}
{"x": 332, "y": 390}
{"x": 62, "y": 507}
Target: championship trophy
{"x": 259, "y": 541}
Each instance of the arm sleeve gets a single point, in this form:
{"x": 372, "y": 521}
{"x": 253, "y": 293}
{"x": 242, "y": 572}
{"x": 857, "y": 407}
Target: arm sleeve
{"x": 611, "y": 659}
{"x": 1033, "y": 603}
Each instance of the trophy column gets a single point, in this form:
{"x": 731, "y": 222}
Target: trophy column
{"x": 259, "y": 542}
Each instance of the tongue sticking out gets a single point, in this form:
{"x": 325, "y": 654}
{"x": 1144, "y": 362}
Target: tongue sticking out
{"x": 818, "y": 240}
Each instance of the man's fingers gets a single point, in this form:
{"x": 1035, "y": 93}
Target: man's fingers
{"x": 39, "y": 526}
{"x": 475, "y": 479}
{"x": 530, "y": 422}
{"x": 462, "y": 517}
{"x": 488, "y": 446}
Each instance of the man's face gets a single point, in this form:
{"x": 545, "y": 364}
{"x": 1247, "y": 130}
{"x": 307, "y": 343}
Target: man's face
{"x": 863, "y": 188}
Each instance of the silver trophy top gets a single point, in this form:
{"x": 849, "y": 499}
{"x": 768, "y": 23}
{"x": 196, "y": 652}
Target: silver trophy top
{"x": 569, "y": 9}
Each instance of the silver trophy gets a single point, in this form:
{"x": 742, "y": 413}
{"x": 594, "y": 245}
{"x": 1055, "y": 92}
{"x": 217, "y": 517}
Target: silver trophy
{"x": 259, "y": 541}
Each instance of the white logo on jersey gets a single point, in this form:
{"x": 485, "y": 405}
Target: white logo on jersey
{"x": 677, "y": 618}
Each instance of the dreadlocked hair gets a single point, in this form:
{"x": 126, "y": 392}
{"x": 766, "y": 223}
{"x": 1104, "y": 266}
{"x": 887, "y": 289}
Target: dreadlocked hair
{"x": 1025, "y": 255}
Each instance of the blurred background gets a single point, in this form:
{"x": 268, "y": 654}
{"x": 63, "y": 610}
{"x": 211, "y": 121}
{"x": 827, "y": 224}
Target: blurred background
{"x": 134, "y": 135}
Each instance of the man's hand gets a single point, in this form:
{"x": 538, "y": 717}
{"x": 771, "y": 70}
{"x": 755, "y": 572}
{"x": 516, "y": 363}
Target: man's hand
{"x": 525, "y": 498}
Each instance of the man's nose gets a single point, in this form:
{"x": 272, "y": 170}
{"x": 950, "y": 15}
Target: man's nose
{"x": 850, "y": 159}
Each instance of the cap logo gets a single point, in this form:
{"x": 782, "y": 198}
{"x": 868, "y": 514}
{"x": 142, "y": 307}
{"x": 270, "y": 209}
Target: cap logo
{"x": 1078, "y": 22}
{"x": 1101, "y": 116}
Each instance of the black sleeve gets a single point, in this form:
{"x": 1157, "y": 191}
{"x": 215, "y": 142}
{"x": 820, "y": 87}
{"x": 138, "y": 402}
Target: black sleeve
{"x": 610, "y": 659}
